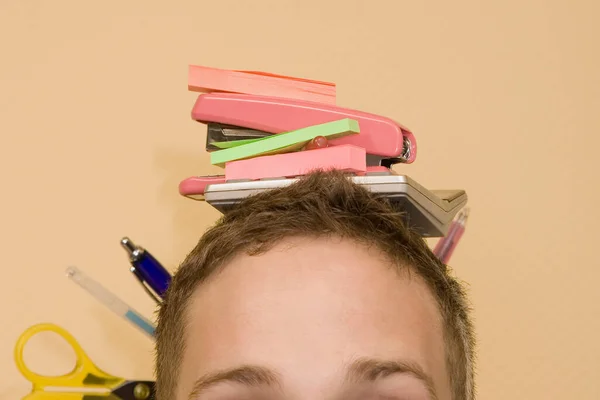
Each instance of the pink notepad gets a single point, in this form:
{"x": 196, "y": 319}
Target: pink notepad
{"x": 206, "y": 79}
{"x": 346, "y": 158}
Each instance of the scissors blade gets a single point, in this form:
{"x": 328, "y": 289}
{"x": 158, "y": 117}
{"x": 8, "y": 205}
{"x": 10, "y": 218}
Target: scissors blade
{"x": 136, "y": 390}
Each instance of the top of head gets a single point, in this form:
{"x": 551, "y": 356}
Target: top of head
{"x": 244, "y": 323}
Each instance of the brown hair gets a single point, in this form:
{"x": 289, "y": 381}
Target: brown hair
{"x": 319, "y": 204}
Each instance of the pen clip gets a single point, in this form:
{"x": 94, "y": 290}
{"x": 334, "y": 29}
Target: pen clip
{"x": 145, "y": 286}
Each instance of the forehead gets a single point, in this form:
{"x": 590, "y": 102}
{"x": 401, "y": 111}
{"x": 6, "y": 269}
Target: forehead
{"x": 307, "y": 307}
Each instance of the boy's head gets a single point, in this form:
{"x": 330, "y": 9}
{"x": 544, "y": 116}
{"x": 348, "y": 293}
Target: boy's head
{"x": 314, "y": 291}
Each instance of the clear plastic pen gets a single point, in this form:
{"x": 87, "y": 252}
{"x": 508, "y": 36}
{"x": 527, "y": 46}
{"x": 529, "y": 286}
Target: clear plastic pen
{"x": 110, "y": 300}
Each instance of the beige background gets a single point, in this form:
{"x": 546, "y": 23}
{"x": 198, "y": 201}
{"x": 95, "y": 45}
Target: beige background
{"x": 503, "y": 97}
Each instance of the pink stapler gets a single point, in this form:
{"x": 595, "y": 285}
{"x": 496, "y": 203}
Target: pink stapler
{"x": 232, "y": 116}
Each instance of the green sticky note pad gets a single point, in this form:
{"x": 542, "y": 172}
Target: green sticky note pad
{"x": 285, "y": 142}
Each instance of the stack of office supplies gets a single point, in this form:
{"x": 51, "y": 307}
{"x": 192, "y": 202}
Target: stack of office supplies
{"x": 266, "y": 130}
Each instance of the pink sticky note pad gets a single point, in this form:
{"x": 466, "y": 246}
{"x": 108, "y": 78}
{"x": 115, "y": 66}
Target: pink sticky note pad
{"x": 345, "y": 158}
{"x": 207, "y": 79}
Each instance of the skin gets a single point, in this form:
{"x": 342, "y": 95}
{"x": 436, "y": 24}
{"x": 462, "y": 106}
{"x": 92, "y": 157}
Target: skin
{"x": 313, "y": 319}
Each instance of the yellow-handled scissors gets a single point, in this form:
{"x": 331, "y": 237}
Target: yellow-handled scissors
{"x": 85, "y": 382}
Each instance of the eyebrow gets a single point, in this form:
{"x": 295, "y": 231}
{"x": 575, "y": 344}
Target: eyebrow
{"x": 360, "y": 371}
{"x": 370, "y": 370}
{"x": 247, "y": 375}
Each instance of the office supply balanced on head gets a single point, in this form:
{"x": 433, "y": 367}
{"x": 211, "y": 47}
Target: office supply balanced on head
{"x": 262, "y": 129}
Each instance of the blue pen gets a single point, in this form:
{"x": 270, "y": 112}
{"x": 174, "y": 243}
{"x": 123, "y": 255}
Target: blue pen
{"x": 155, "y": 279}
